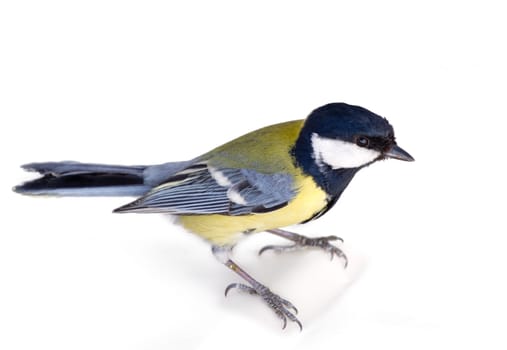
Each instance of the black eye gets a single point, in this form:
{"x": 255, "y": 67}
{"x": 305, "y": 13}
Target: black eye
{"x": 362, "y": 141}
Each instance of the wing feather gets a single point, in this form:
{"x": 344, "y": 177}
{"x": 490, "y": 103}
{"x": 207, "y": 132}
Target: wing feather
{"x": 210, "y": 190}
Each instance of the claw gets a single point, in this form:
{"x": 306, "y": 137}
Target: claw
{"x": 335, "y": 251}
{"x": 283, "y": 318}
{"x": 293, "y": 319}
{"x": 289, "y": 305}
{"x": 229, "y": 287}
{"x": 241, "y": 287}
{"x": 268, "y": 247}
{"x": 334, "y": 238}
{"x": 345, "y": 259}
{"x": 278, "y": 304}
{"x": 292, "y": 307}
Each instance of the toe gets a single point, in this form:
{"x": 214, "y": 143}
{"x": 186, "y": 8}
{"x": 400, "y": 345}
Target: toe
{"x": 241, "y": 287}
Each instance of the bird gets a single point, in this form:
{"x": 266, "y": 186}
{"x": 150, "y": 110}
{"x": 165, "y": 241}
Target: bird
{"x": 277, "y": 176}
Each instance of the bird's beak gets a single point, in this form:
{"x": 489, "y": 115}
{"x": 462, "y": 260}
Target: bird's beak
{"x": 396, "y": 152}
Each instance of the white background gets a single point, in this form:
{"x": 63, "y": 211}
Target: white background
{"x": 148, "y": 82}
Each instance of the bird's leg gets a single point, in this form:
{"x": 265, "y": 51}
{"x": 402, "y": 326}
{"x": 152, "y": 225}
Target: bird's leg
{"x": 283, "y": 308}
{"x": 302, "y": 242}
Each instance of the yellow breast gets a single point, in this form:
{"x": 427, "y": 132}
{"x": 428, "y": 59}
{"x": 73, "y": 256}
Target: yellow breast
{"x": 226, "y": 230}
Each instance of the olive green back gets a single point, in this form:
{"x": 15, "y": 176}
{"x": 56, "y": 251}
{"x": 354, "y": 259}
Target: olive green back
{"x": 266, "y": 149}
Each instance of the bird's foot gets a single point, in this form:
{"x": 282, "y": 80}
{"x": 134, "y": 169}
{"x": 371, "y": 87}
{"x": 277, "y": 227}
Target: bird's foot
{"x": 301, "y": 242}
{"x": 283, "y": 308}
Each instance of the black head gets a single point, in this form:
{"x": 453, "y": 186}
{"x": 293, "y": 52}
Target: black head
{"x": 340, "y": 139}
{"x": 345, "y": 121}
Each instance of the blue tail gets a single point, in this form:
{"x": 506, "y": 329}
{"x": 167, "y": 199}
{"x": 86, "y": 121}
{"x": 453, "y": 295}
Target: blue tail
{"x": 81, "y": 179}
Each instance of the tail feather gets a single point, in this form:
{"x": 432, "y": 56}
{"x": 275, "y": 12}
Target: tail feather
{"x": 74, "y": 168}
{"x": 81, "y": 179}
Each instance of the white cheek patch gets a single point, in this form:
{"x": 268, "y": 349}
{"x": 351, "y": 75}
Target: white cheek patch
{"x": 341, "y": 154}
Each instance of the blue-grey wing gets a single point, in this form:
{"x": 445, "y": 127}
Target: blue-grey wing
{"x": 203, "y": 189}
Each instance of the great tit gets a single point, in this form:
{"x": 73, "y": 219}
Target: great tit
{"x": 280, "y": 175}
